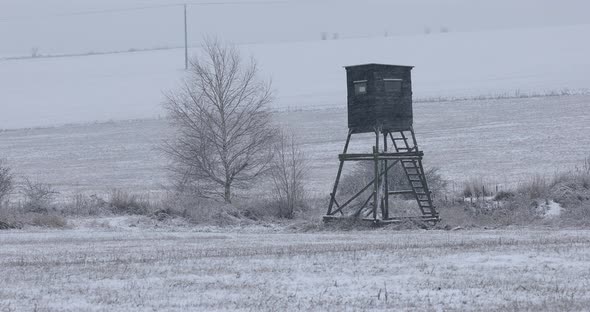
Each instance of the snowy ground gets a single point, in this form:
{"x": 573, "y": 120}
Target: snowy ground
{"x": 306, "y": 75}
{"x": 142, "y": 270}
{"x": 502, "y": 141}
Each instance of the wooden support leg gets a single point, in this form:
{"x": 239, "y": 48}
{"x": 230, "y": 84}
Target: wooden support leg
{"x": 377, "y": 197}
{"x": 385, "y": 213}
{"x": 338, "y": 175}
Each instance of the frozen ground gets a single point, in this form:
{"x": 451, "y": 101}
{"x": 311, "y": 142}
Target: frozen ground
{"x": 164, "y": 270}
{"x": 502, "y": 141}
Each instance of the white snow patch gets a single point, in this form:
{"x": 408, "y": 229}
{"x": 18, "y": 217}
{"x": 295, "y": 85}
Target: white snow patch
{"x": 551, "y": 209}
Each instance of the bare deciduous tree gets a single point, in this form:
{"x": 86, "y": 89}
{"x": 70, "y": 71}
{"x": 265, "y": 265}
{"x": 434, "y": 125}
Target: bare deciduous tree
{"x": 288, "y": 172}
{"x": 6, "y": 181}
{"x": 222, "y": 122}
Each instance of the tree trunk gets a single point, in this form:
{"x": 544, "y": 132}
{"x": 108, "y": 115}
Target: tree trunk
{"x": 227, "y": 193}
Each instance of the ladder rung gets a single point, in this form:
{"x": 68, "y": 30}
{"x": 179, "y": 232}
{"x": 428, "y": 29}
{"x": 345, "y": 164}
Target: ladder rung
{"x": 401, "y": 192}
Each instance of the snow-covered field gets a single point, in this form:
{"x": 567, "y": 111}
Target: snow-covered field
{"x": 502, "y": 141}
{"x": 93, "y": 122}
{"x": 306, "y": 75}
{"x": 525, "y": 51}
{"x": 175, "y": 270}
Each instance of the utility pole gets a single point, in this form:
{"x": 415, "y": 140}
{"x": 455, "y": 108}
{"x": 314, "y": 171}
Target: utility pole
{"x": 185, "y": 41}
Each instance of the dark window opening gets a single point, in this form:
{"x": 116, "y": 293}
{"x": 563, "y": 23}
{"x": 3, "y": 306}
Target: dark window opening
{"x": 360, "y": 87}
{"x": 393, "y": 85}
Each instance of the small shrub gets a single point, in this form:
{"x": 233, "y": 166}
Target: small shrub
{"x": 288, "y": 170}
{"x": 536, "y": 187}
{"x": 6, "y": 181}
{"x": 436, "y": 182}
{"x": 476, "y": 187}
{"x": 84, "y": 205}
{"x": 260, "y": 208}
{"x": 8, "y": 222}
{"x": 121, "y": 202}
{"x": 38, "y": 196}
{"x": 504, "y": 195}
{"x": 572, "y": 191}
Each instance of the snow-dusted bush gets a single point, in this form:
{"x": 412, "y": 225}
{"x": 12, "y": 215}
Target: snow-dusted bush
{"x": 6, "y": 181}
{"x": 537, "y": 186}
{"x": 85, "y": 205}
{"x": 38, "y": 196}
{"x": 122, "y": 202}
{"x": 288, "y": 170}
{"x": 476, "y": 187}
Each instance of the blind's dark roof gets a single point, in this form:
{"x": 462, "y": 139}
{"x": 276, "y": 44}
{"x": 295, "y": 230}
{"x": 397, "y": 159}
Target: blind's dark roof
{"x": 377, "y": 65}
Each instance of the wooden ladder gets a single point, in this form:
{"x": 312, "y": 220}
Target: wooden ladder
{"x": 405, "y": 141}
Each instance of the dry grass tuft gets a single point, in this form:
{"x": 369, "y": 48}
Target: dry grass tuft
{"x": 537, "y": 186}
{"x": 122, "y": 202}
{"x": 476, "y": 188}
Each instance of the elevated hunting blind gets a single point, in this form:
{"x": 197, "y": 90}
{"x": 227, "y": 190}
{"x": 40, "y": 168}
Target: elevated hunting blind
{"x": 379, "y": 96}
{"x": 380, "y": 101}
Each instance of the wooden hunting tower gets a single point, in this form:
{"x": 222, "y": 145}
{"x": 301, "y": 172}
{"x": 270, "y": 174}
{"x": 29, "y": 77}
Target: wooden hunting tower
{"x": 379, "y": 96}
{"x": 380, "y": 101}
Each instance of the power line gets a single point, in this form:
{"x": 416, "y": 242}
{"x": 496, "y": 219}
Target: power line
{"x": 141, "y": 8}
